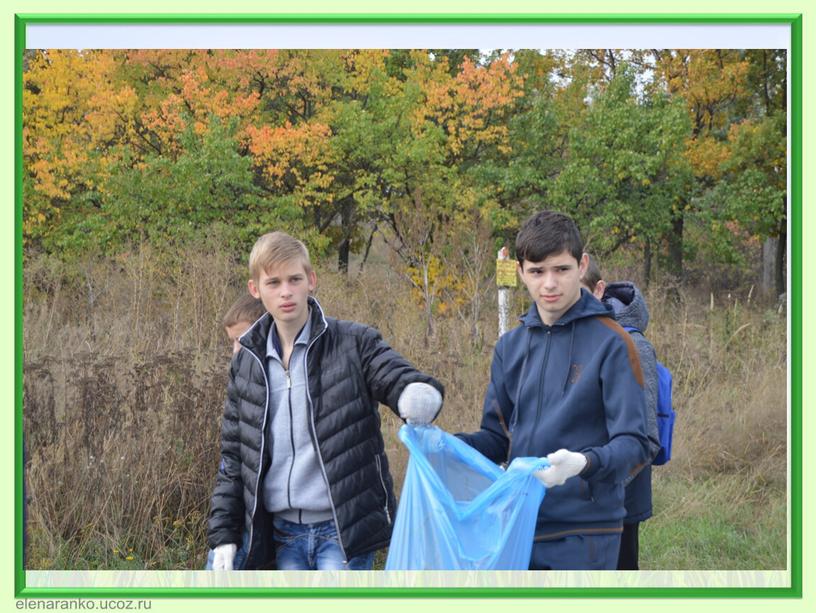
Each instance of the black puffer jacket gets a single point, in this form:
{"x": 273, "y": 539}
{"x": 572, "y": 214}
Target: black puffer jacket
{"x": 350, "y": 370}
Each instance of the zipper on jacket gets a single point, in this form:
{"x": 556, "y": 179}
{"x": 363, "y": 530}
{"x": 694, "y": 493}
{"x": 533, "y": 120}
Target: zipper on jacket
{"x": 310, "y": 408}
{"x": 385, "y": 489}
{"x": 590, "y": 492}
{"x": 260, "y": 455}
{"x": 540, "y": 398}
{"x": 291, "y": 439}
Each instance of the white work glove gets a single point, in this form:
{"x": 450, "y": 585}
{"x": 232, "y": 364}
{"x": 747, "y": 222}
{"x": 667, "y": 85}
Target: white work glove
{"x": 563, "y": 465}
{"x": 223, "y": 556}
{"x": 419, "y": 403}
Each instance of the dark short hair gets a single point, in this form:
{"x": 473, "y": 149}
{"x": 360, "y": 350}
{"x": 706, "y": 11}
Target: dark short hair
{"x": 592, "y": 274}
{"x": 246, "y": 309}
{"x": 548, "y": 233}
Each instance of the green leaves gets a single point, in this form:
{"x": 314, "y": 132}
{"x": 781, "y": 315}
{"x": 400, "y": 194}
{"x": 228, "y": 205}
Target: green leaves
{"x": 623, "y": 170}
{"x": 167, "y": 202}
{"x": 163, "y": 146}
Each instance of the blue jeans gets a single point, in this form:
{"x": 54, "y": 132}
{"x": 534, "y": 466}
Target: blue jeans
{"x": 313, "y": 547}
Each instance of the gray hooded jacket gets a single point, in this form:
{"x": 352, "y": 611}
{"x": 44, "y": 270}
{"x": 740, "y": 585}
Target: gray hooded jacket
{"x": 630, "y": 311}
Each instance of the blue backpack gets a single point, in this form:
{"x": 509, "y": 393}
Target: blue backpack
{"x": 665, "y": 412}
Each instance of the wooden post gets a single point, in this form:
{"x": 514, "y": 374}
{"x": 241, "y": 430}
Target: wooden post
{"x": 506, "y": 281}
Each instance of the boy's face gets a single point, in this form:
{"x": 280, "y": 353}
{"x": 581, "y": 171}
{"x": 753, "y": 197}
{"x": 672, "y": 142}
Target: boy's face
{"x": 235, "y": 331}
{"x": 284, "y": 290}
{"x": 554, "y": 283}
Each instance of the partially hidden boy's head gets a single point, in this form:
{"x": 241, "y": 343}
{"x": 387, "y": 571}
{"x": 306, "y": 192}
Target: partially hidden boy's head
{"x": 551, "y": 263}
{"x": 282, "y": 277}
{"x": 240, "y": 316}
{"x": 592, "y": 279}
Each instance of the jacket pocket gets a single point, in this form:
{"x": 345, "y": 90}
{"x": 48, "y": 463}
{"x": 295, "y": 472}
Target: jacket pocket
{"x": 586, "y": 490}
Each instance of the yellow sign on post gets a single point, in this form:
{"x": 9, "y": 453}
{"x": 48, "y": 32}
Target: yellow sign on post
{"x": 506, "y": 273}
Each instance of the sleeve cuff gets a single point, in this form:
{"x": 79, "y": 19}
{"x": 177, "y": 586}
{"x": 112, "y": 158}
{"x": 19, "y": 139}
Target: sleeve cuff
{"x": 592, "y": 465}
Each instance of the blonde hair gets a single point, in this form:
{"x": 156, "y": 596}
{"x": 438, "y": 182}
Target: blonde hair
{"x": 246, "y": 309}
{"x": 275, "y": 248}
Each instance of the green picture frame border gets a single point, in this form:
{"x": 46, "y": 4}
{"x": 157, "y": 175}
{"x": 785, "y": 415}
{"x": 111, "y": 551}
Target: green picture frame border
{"x": 794, "y": 20}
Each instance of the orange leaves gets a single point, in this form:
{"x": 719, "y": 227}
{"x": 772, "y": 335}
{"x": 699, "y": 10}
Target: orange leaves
{"x": 400, "y": 117}
{"x": 167, "y": 122}
{"x": 50, "y": 178}
{"x": 482, "y": 93}
{"x": 197, "y": 102}
{"x": 710, "y": 81}
{"x": 297, "y": 154}
{"x": 470, "y": 105}
{"x": 249, "y": 70}
{"x": 111, "y": 118}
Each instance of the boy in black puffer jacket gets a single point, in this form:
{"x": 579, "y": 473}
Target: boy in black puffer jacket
{"x": 303, "y": 465}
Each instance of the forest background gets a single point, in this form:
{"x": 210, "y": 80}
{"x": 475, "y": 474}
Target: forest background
{"x": 148, "y": 175}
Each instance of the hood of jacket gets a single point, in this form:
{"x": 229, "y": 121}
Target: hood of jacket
{"x": 586, "y": 306}
{"x": 625, "y": 299}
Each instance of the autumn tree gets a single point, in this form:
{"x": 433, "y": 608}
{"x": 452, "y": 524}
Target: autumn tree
{"x": 625, "y": 170}
{"x": 64, "y": 158}
{"x": 340, "y": 145}
{"x": 710, "y": 82}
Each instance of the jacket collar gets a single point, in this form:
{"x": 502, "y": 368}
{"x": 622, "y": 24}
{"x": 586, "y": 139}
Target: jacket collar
{"x": 255, "y": 338}
{"x": 586, "y": 306}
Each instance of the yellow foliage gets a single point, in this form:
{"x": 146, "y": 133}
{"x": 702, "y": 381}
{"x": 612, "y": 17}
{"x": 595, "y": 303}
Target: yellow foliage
{"x": 706, "y": 156}
{"x": 444, "y": 288}
{"x": 708, "y": 79}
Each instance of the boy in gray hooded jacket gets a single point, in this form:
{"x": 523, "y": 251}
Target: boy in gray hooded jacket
{"x": 630, "y": 312}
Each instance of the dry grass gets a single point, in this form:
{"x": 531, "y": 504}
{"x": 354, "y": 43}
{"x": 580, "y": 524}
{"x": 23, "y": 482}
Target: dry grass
{"x": 124, "y": 375}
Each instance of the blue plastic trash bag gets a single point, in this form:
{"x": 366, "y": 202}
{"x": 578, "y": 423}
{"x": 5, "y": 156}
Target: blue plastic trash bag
{"x": 459, "y": 511}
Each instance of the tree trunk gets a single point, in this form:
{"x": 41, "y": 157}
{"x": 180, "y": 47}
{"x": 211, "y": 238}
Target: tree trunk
{"x": 676, "y": 246}
{"x": 647, "y": 264}
{"x": 368, "y": 248}
{"x": 346, "y": 224}
{"x": 768, "y": 280}
{"x": 343, "y": 256}
{"x": 428, "y": 291}
{"x": 780, "y": 264}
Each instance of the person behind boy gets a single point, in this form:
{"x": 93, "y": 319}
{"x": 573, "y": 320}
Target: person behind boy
{"x": 303, "y": 467}
{"x": 630, "y": 311}
{"x": 567, "y": 385}
{"x": 237, "y": 320}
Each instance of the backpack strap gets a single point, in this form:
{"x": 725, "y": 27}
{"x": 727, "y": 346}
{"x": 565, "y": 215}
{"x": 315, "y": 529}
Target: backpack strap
{"x": 631, "y": 329}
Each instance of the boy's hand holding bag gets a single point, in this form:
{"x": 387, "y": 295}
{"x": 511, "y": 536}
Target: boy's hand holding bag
{"x": 563, "y": 465}
{"x": 419, "y": 403}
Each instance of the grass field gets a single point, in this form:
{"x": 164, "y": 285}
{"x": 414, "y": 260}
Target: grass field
{"x": 124, "y": 375}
